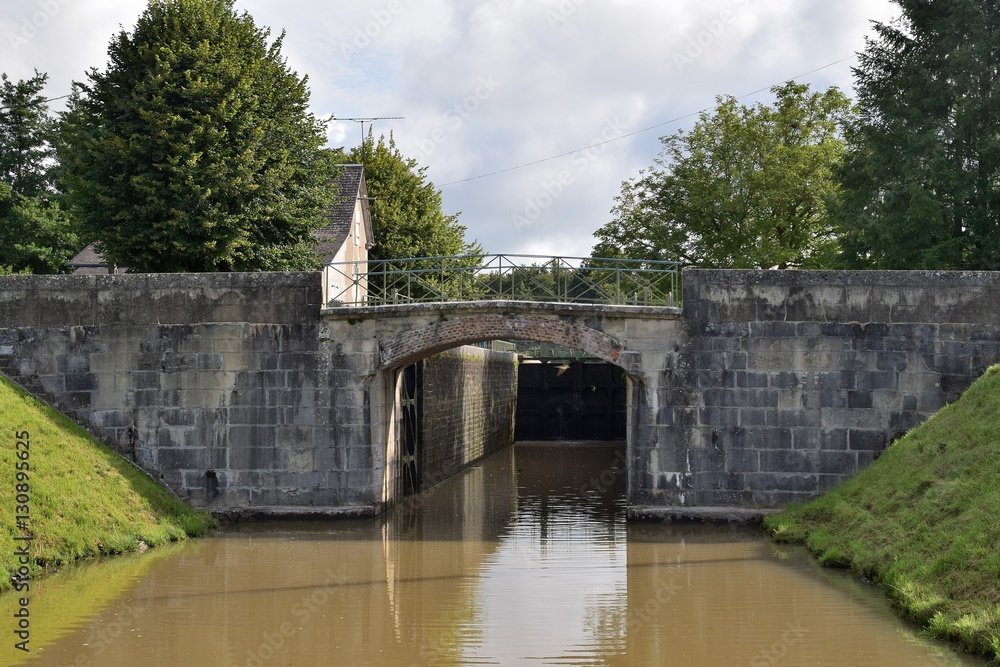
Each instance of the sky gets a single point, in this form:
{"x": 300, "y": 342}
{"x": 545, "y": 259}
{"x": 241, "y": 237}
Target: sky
{"x": 490, "y": 92}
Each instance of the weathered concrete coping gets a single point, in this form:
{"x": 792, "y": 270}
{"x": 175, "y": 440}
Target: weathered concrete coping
{"x": 979, "y": 280}
{"x": 700, "y": 514}
{"x": 505, "y": 308}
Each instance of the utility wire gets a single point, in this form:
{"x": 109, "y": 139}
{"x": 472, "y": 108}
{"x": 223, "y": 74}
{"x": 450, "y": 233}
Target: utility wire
{"x": 637, "y": 132}
{"x": 34, "y": 104}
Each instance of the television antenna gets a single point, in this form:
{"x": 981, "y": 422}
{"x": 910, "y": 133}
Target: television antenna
{"x": 370, "y": 120}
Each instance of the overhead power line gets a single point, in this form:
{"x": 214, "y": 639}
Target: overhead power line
{"x": 35, "y": 103}
{"x": 632, "y": 134}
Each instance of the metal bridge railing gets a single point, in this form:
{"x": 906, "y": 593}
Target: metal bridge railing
{"x": 466, "y": 278}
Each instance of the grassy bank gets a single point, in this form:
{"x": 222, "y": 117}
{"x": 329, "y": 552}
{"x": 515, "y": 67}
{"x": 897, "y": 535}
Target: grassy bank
{"x": 83, "y": 499}
{"x": 923, "y": 521}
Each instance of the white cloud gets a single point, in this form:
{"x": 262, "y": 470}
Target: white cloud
{"x": 561, "y": 70}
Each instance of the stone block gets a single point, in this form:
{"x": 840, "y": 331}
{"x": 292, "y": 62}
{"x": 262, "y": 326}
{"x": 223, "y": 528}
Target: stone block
{"x": 752, "y": 380}
{"x": 742, "y": 461}
{"x": 185, "y": 458}
{"x": 789, "y": 461}
{"x": 707, "y": 460}
{"x": 253, "y": 458}
{"x": 775, "y": 329}
{"x": 787, "y": 483}
{"x": 331, "y": 459}
{"x": 860, "y": 439}
{"x": 852, "y": 419}
{"x": 794, "y": 418}
{"x": 785, "y": 380}
{"x": 751, "y": 417}
{"x": 806, "y": 438}
{"x": 842, "y": 464}
{"x": 860, "y": 400}
{"x": 713, "y": 482}
{"x": 719, "y": 417}
{"x": 767, "y": 438}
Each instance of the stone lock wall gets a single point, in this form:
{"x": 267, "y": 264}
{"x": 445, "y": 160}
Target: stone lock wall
{"x": 219, "y": 385}
{"x": 238, "y": 391}
{"x": 469, "y": 400}
{"x": 790, "y": 382}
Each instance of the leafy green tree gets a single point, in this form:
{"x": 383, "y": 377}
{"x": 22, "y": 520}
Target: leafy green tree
{"x": 36, "y": 234}
{"x": 195, "y": 150}
{"x": 746, "y": 188}
{"x": 921, "y": 179}
{"x": 407, "y": 216}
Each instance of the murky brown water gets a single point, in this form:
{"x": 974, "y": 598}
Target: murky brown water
{"x": 523, "y": 560}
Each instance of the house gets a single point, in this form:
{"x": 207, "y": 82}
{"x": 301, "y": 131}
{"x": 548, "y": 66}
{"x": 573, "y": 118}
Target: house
{"x": 89, "y": 262}
{"x": 344, "y": 242}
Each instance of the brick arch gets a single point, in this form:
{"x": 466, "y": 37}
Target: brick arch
{"x": 411, "y": 346}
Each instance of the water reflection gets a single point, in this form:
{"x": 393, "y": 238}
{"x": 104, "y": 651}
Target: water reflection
{"x": 525, "y": 559}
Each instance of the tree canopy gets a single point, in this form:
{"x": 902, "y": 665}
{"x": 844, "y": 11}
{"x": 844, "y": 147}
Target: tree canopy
{"x": 195, "y": 149}
{"x": 407, "y": 215}
{"x": 36, "y": 234}
{"x": 746, "y": 188}
{"x": 25, "y": 132}
{"x": 921, "y": 181}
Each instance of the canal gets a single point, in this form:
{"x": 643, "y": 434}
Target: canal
{"x": 524, "y": 559}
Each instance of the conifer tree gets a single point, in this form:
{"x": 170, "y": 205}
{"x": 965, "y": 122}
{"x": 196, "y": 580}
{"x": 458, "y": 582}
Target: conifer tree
{"x": 921, "y": 179}
{"x": 195, "y": 149}
{"x": 37, "y": 235}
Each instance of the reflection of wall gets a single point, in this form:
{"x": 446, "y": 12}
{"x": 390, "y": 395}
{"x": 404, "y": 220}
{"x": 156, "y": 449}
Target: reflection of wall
{"x": 398, "y": 592}
{"x": 469, "y": 396}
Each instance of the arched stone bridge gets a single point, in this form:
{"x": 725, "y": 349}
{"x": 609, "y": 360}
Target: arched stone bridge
{"x": 241, "y": 391}
{"x": 379, "y": 341}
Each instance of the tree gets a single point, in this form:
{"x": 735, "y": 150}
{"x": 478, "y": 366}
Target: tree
{"x": 746, "y": 188}
{"x": 36, "y": 234}
{"x": 921, "y": 179}
{"x": 25, "y": 130}
{"x": 195, "y": 150}
{"x": 407, "y": 216}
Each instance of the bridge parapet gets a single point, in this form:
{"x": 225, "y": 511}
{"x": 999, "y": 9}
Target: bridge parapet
{"x": 470, "y": 278}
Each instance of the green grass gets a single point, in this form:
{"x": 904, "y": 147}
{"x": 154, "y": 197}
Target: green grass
{"x": 923, "y": 521}
{"x": 86, "y": 501}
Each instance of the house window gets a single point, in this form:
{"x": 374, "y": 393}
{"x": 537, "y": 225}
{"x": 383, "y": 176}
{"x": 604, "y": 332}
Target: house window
{"x": 357, "y": 228}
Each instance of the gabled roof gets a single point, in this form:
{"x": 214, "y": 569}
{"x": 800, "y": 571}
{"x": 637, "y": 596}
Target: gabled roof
{"x": 90, "y": 262}
{"x": 350, "y": 189}
{"x": 87, "y": 257}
